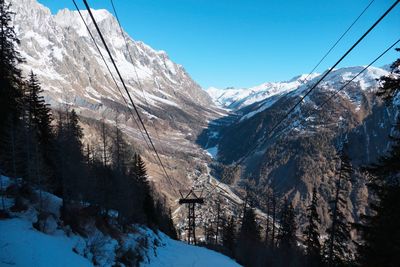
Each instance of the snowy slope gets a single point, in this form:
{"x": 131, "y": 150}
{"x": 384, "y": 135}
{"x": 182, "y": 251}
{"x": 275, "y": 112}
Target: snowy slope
{"x": 22, "y": 245}
{"x": 178, "y": 254}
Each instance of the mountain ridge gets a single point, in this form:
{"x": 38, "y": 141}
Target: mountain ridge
{"x": 237, "y": 98}
{"x": 300, "y": 152}
{"x": 73, "y": 75}
{"x": 54, "y": 32}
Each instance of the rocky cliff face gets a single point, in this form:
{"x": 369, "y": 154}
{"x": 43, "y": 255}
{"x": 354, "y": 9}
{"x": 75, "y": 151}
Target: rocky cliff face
{"x": 59, "y": 49}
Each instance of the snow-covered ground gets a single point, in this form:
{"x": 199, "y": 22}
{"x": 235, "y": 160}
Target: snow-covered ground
{"x": 22, "y": 245}
{"x": 177, "y": 254}
{"x": 212, "y": 151}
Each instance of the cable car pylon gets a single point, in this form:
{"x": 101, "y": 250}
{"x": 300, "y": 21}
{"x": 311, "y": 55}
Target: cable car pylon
{"x": 190, "y": 200}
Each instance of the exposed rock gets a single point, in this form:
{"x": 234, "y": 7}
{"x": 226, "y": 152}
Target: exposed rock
{"x": 58, "y": 48}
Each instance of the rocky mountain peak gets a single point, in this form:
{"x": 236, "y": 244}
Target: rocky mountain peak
{"x": 174, "y": 108}
{"x": 53, "y": 42}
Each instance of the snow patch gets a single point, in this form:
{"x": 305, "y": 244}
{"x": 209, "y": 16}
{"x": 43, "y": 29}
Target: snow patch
{"x": 212, "y": 151}
{"x": 57, "y": 53}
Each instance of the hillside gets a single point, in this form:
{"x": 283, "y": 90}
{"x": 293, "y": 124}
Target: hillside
{"x": 301, "y": 153}
{"x": 25, "y": 242}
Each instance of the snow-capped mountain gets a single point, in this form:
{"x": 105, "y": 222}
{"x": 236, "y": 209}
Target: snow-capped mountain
{"x": 247, "y": 103}
{"x": 59, "y": 49}
{"x": 232, "y": 98}
{"x": 300, "y": 153}
{"x": 235, "y": 99}
{"x": 367, "y": 81}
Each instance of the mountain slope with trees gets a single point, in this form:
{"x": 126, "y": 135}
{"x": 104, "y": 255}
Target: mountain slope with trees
{"x": 43, "y": 153}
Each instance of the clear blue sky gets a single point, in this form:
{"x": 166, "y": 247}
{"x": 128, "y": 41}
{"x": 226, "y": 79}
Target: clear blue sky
{"x": 243, "y": 43}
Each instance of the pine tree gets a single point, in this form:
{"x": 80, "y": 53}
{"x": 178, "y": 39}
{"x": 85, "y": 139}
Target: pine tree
{"x": 267, "y": 225}
{"x": 142, "y": 179}
{"x": 89, "y": 156}
{"x": 229, "y": 235}
{"x": 287, "y": 235}
{"x": 380, "y": 230}
{"x": 39, "y": 134}
{"x": 119, "y": 154}
{"x": 104, "y": 143}
{"x": 140, "y": 169}
{"x": 311, "y": 234}
{"x": 389, "y": 84}
{"x": 39, "y": 111}
{"x": 336, "y": 247}
{"x": 70, "y": 147}
{"x": 165, "y": 222}
{"x": 249, "y": 239}
{"x": 209, "y": 232}
{"x": 170, "y": 227}
{"x": 10, "y": 75}
{"x": 250, "y": 227}
{"x": 218, "y": 223}
{"x": 60, "y": 137}
{"x": 10, "y": 94}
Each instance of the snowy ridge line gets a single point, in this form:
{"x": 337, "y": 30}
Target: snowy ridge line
{"x": 235, "y": 99}
{"x": 358, "y": 74}
{"x": 327, "y": 73}
{"x": 261, "y": 100}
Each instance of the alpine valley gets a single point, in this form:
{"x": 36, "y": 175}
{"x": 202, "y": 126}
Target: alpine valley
{"x": 218, "y": 141}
